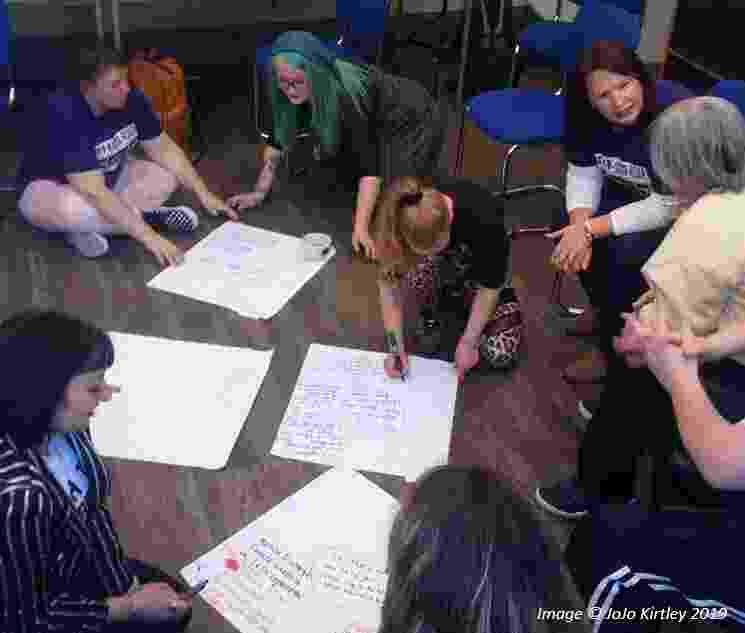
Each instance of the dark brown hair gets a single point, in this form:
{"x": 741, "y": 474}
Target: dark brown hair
{"x": 582, "y": 119}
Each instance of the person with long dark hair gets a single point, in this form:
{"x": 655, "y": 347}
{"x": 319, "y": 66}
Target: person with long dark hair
{"x": 374, "y": 125}
{"x": 62, "y": 567}
{"x": 616, "y": 214}
{"x": 467, "y": 555}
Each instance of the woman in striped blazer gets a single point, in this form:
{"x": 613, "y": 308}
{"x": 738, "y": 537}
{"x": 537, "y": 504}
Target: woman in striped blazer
{"x": 62, "y": 567}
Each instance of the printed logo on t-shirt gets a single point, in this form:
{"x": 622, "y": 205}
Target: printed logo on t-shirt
{"x": 629, "y": 173}
{"x": 111, "y": 151}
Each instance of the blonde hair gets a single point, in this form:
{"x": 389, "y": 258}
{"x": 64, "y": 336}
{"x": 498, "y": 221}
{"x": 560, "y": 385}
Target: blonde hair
{"x": 409, "y": 219}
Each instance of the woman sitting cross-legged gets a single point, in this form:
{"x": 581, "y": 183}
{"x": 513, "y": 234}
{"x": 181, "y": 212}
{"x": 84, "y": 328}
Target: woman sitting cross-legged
{"x": 468, "y": 555}
{"x": 696, "y": 283}
{"x": 373, "y": 125}
{"x": 77, "y": 176}
{"x": 446, "y": 243}
{"x": 62, "y": 567}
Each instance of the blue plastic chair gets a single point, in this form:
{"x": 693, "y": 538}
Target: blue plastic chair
{"x": 360, "y": 33}
{"x": 731, "y": 89}
{"x": 558, "y": 44}
{"x": 31, "y": 66}
{"x": 521, "y": 117}
{"x": 7, "y": 91}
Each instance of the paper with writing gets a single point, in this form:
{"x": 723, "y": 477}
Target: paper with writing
{"x": 306, "y": 564}
{"x": 171, "y": 392}
{"x": 345, "y": 412}
{"x": 247, "y": 269}
{"x": 256, "y": 594}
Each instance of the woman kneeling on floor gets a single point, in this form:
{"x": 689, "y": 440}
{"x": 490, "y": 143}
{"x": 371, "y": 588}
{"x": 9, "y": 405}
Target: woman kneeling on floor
{"x": 447, "y": 244}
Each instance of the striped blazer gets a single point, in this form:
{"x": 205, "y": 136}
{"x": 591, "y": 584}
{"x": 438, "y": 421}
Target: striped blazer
{"x": 57, "y": 563}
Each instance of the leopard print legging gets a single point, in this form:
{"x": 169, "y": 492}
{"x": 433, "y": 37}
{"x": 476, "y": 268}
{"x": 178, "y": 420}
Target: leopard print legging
{"x": 447, "y": 274}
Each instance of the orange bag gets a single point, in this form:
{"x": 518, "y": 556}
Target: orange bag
{"x": 162, "y": 80}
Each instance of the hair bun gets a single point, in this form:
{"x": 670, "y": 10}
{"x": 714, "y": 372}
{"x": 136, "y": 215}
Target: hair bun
{"x": 410, "y": 198}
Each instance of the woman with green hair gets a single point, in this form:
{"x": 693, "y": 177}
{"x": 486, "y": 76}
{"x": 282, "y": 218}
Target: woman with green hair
{"x": 378, "y": 124}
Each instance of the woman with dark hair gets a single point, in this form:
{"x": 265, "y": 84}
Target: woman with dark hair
{"x": 616, "y": 216}
{"x": 375, "y": 125}
{"x": 445, "y": 242}
{"x": 468, "y": 555}
{"x": 62, "y": 567}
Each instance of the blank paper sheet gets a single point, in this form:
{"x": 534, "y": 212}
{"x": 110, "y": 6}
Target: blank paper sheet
{"x": 181, "y": 403}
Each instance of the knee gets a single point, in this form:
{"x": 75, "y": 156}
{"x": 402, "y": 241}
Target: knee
{"x": 52, "y": 206}
{"x": 164, "y": 181}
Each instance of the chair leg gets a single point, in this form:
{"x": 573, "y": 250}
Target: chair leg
{"x": 505, "y": 192}
{"x": 516, "y": 68}
{"x": 565, "y": 311}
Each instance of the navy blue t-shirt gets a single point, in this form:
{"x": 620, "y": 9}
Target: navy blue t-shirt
{"x": 65, "y": 137}
{"x": 622, "y": 153}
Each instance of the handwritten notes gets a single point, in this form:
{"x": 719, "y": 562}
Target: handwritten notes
{"x": 216, "y": 388}
{"x": 255, "y": 592}
{"x": 306, "y": 564}
{"x": 345, "y": 412}
{"x": 343, "y": 577}
{"x": 250, "y": 270}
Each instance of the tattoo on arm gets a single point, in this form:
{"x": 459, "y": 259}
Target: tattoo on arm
{"x": 392, "y": 341}
{"x": 266, "y": 177}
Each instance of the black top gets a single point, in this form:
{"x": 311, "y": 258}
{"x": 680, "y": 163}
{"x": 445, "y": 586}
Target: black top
{"x": 394, "y": 135}
{"x": 478, "y": 223}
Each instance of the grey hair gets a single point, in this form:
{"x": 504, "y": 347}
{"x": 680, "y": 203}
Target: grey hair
{"x": 698, "y": 146}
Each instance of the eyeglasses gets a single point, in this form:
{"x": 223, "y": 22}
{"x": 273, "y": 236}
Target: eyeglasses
{"x": 288, "y": 85}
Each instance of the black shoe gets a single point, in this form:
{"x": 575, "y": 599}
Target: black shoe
{"x": 428, "y": 333}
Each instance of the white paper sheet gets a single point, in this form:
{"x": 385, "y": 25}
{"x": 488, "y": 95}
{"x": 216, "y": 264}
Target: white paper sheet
{"x": 345, "y": 412}
{"x": 181, "y": 403}
{"x": 244, "y": 268}
{"x": 313, "y": 563}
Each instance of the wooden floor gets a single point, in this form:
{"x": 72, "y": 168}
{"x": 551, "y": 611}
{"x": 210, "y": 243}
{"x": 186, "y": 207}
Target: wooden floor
{"x": 520, "y": 423}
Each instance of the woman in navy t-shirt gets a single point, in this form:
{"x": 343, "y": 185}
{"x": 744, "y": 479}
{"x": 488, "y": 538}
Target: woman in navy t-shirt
{"x": 610, "y": 192}
{"x": 76, "y": 176}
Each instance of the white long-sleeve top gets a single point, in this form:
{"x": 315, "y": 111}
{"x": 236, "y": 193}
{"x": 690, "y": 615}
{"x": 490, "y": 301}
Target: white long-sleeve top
{"x": 584, "y": 190}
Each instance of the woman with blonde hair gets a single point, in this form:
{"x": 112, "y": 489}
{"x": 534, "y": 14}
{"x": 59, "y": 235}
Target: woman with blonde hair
{"x": 447, "y": 244}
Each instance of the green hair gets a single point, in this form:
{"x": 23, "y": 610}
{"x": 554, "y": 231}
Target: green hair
{"x": 328, "y": 86}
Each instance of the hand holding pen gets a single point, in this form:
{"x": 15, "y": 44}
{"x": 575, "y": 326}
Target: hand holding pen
{"x": 193, "y": 591}
{"x": 397, "y": 363}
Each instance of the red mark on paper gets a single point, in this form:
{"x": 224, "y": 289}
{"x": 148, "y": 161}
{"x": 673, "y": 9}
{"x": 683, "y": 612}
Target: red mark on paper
{"x": 232, "y": 564}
